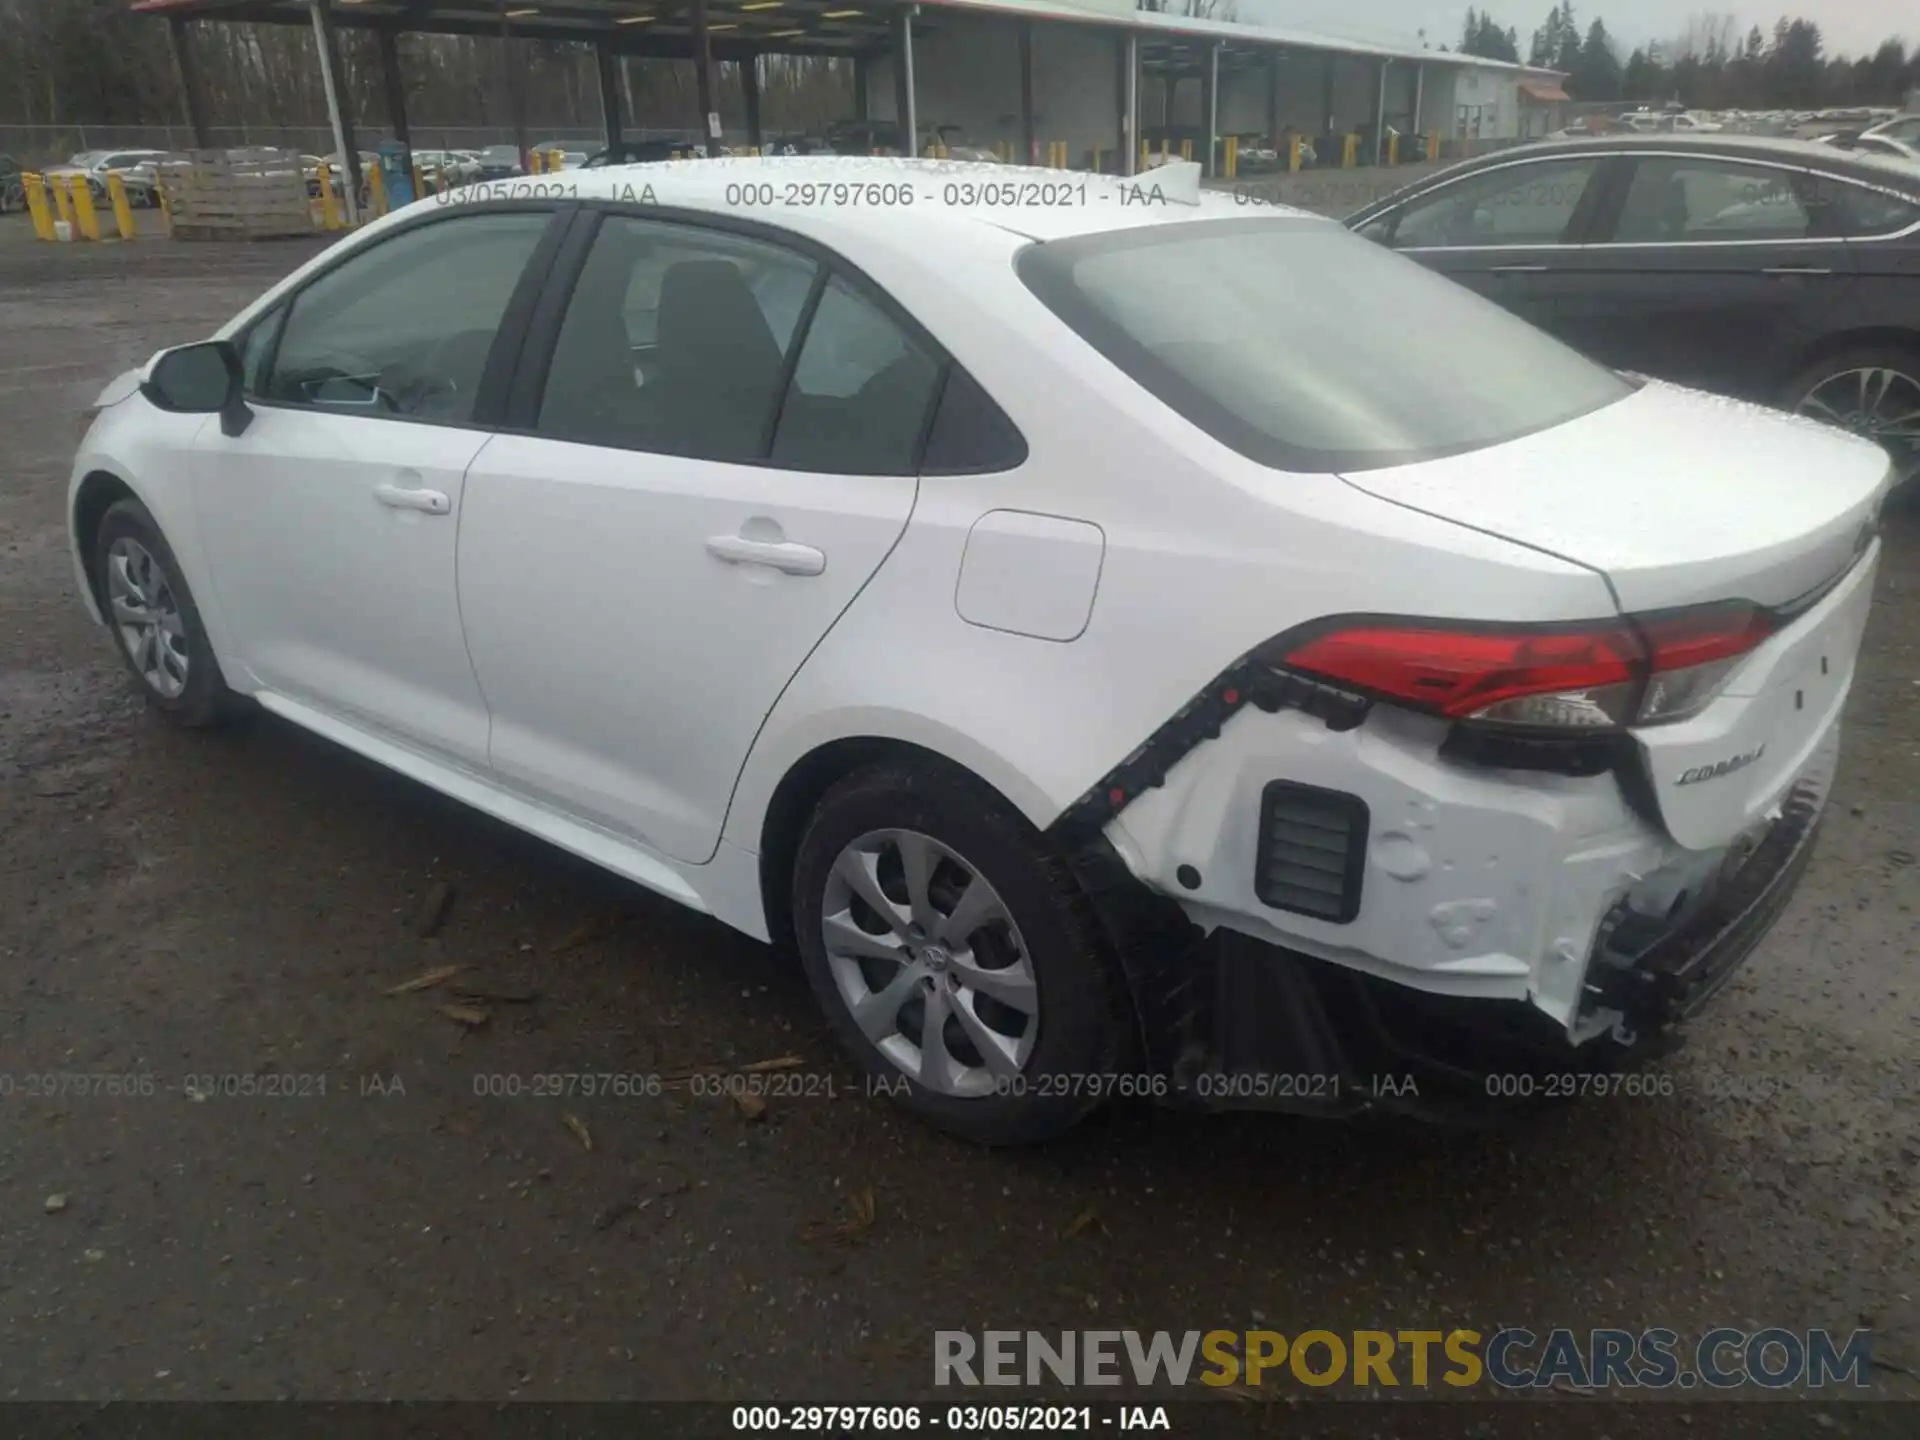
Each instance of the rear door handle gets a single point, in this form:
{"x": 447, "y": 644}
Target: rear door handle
{"x": 781, "y": 555}
{"x": 1796, "y": 270}
{"x": 399, "y": 497}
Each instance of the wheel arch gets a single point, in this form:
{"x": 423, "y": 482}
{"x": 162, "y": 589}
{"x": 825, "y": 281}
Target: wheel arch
{"x": 799, "y": 790}
{"x": 1838, "y": 343}
{"x": 97, "y": 492}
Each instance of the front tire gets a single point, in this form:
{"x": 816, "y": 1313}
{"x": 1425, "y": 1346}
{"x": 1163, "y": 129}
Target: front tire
{"x": 955, "y": 956}
{"x": 154, "y": 622}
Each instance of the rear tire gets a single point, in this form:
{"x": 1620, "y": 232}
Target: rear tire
{"x": 155, "y": 625}
{"x": 985, "y": 933}
{"x": 1867, "y": 390}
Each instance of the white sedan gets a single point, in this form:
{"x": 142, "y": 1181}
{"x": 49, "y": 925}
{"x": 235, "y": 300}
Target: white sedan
{"x": 1128, "y": 641}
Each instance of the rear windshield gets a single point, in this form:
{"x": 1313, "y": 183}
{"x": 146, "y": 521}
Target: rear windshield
{"x": 1305, "y": 347}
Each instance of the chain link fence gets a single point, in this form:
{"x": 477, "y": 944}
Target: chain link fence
{"x": 34, "y": 145}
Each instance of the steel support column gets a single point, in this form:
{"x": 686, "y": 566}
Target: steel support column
{"x": 903, "y": 94}
{"x": 608, "y": 66}
{"x": 337, "y": 111}
{"x": 1026, "y": 92}
{"x": 703, "y": 77}
{"x": 395, "y": 87}
{"x": 1210, "y": 105}
{"x": 750, "y": 95}
{"x": 1380, "y": 115}
{"x": 1130, "y": 164}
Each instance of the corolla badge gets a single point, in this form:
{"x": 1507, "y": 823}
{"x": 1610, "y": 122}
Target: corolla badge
{"x": 1720, "y": 767}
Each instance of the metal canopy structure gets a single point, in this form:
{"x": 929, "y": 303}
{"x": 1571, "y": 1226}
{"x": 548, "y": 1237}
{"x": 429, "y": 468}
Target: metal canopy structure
{"x": 706, "y": 31}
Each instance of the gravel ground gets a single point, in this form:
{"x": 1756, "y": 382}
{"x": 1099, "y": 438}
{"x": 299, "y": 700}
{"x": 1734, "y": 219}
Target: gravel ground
{"x": 243, "y": 902}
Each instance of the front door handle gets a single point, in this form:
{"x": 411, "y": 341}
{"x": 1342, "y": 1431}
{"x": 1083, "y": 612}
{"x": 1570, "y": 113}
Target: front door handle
{"x": 781, "y": 555}
{"x": 1796, "y": 270}
{"x": 399, "y": 497}
{"x": 1518, "y": 269}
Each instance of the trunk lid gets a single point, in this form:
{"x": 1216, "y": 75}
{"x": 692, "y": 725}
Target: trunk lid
{"x": 1676, "y": 497}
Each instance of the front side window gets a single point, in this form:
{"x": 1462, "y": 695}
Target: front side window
{"x": 675, "y": 341}
{"x": 1306, "y": 348}
{"x": 1513, "y": 205}
{"x": 1709, "y": 200}
{"x": 403, "y": 329}
{"x": 860, "y": 392}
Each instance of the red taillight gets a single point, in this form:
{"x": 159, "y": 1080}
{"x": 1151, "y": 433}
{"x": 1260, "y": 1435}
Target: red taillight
{"x": 1578, "y": 676}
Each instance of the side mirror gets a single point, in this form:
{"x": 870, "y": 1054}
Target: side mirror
{"x": 202, "y": 379}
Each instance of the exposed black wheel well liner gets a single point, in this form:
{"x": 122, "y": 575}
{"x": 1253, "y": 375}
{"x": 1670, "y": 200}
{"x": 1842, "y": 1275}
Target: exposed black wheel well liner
{"x": 98, "y": 493}
{"x": 799, "y": 792}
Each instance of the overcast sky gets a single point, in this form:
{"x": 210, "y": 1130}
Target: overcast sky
{"x": 1849, "y": 26}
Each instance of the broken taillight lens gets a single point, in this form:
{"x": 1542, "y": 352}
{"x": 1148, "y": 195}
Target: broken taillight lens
{"x": 1584, "y": 676}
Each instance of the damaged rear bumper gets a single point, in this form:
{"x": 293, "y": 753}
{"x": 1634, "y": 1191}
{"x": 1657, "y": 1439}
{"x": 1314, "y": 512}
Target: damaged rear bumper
{"x": 1237, "y": 1022}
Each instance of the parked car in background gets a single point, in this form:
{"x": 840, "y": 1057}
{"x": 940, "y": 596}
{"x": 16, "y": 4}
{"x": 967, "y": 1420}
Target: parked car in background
{"x": 635, "y": 152}
{"x": 572, "y": 153}
{"x": 1776, "y": 270}
{"x": 500, "y": 162}
{"x": 446, "y": 168}
{"x": 1867, "y": 143}
{"x": 1904, "y": 128}
{"x": 134, "y": 167}
{"x": 12, "y": 195}
{"x": 1412, "y": 697}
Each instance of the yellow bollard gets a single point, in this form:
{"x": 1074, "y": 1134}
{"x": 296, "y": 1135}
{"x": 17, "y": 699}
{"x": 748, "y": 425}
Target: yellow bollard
{"x": 1393, "y": 149}
{"x": 166, "y": 205}
{"x": 83, "y": 206}
{"x": 37, "y": 206}
{"x": 329, "y": 208}
{"x": 556, "y": 161}
{"x": 1230, "y": 162}
{"x": 1349, "y": 152}
{"x": 122, "y": 211}
{"x": 536, "y": 162}
{"x": 1096, "y": 161}
{"x": 1186, "y": 149}
{"x": 419, "y": 182}
{"x": 377, "y": 190}
{"x": 1146, "y": 162}
{"x": 1433, "y": 145}
{"x": 1293, "y": 153}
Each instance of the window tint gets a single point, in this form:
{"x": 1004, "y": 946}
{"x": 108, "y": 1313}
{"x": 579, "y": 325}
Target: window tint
{"x": 1706, "y": 200}
{"x": 1861, "y": 211}
{"x": 860, "y": 392}
{"x": 1325, "y": 352}
{"x": 256, "y": 349}
{"x": 675, "y": 341}
{"x": 403, "y": 329}
{"x": 971, "y": 435}
{"x": 1516, "y": 205}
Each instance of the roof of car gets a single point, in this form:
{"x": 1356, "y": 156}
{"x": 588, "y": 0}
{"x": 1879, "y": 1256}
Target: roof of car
{"x": 1039, "y": 204}
{"x": 1882, "y": 169}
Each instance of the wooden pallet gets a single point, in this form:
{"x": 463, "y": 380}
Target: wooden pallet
{"x": 212, "y": 197}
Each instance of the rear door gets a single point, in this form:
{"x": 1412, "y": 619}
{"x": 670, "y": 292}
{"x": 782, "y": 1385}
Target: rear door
{"x": 1498, "y": 230}
{"x": 721, "y": 449}
{"x": 1703, "y": 270}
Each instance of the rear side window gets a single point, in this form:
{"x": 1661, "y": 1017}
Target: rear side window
{"x": 860, "y": 393}
{"x": 971, "y": 435}
{"x": 1306, "y": 347}
{"x": 1861, "y": 212}
{"x": 1532, "y": 204}
{"x": 675, "y": 341}
{"x": 1711, "y": 200}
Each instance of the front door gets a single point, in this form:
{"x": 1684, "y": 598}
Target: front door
{"x": 329, "y": 523}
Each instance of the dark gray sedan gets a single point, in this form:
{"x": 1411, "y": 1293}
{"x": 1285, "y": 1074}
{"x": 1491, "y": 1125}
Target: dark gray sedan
{"x": 1776, "y": 270}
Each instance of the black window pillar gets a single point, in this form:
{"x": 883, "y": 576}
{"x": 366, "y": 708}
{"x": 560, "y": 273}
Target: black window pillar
{"x": 862, "y": 77}
{"x": 904, "y": 100}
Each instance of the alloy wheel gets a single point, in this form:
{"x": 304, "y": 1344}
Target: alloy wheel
{"x": 929, "y": 962}
{"x": 147, "y": 617}
{"x": 1877, "y": 402}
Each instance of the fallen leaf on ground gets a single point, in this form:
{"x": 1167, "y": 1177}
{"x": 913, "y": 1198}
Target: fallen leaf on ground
{"x": 55, "y": 1204}
{"x": 1088, "y": 1219}
{"x": 860, "y": 1218}
{"x": 779, "y": 1062}
{"x": 593, "y": 928}
{"x": 427, "y": 979}
{"x": 470, "y": 1015}
{"x": 751, "y": 1106}
{"x": 579, "y": 1127}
